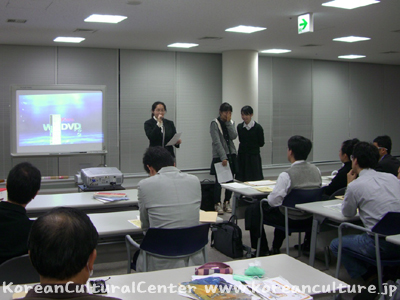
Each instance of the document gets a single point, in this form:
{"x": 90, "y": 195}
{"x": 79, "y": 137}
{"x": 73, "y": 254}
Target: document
{"x": 261, "y": 182}
{"x": 174, "y": 139}
{"x": 236, "y": 185}
{"x": 335, "y": 207}
{"x": 208, "y": 216}
{"x": 224, "y": 174}
{"x": 264, "y": 189}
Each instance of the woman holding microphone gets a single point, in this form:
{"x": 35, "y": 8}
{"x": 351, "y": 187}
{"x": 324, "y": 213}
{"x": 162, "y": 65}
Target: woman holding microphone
{"x": 159, "y": 130}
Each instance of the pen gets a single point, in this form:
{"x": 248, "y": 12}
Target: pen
{"x": 54, "y": 177}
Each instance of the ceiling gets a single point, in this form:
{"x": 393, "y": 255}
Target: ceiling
{"x": 154, "y": 24}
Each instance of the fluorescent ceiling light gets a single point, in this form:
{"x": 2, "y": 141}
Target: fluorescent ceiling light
{"x": 66, "y": 39}
{"x": 183, "y": 45}
{"x": 351, "y": 56}
{"x": 105, "y": 18}
{"x": 276, "y": 51}
{"x": 351, "y": 39}
{"x": 245, "y": 29}
{"x": 349, "y": 4}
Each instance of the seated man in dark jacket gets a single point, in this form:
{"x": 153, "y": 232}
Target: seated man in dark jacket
{"x": 387, "y": 163}
{"x": 23, "y": 183}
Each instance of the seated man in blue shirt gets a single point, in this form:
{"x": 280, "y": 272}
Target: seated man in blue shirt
{"x": 373, "y": 194}
{"x": 300, "y": 175}
{"x": 387, "y": 163}
{"x": 23, "y": 183}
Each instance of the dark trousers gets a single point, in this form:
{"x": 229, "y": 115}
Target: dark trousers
{"x": 217, "y": 192}
{"x": 273, "y": 216}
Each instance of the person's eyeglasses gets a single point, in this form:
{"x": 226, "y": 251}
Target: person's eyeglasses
{"x": 351, "y": 157}
{"x": 379, "y": 148}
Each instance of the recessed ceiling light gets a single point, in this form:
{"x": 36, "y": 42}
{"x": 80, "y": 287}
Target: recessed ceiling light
{"x": 351, "y": 39}
{"x": 66, "y": 39}
{"x": 276, "y": 51}
{"x": 183, "y": 45}
{"x": 245, "y": 29}
{"x": 105, "y": 18}
{"x": 349, "y": 4}
{"x": 351, "y": 56}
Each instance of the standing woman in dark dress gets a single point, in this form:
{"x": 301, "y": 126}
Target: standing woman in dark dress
{"x": 340, "y": 180}
{"x": 251, "y": 138}
{"x": 158, "y": 130}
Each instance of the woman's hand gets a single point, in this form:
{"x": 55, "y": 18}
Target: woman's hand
{"x": 224, "y": 162}
{"x": 179, "y": 142}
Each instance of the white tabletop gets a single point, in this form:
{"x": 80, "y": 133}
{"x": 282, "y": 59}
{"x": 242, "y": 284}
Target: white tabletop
{"x": 248, "y": 191}
{"x": 138, "y": 285}
{"x": 395, "y": 239}
{"x": 83, "y": 201}
{"x": 319, "y": 208}
{"x": 112, "y": 224}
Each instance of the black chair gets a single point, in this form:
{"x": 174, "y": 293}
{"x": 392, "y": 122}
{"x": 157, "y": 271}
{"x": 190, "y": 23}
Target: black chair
{"x": 339, "y": 192}
{"x": 388, "y": 225}
{"x": 18, "y": 270}
{"x": 296, "y": 196}
{"x": 176, "y": 243}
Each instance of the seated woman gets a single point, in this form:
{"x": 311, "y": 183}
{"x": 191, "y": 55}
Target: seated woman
{"x": 340, "y": 180}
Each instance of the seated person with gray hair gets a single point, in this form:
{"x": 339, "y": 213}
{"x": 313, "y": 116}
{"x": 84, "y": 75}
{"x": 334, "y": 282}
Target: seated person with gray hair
{"x": 62, "y": 248}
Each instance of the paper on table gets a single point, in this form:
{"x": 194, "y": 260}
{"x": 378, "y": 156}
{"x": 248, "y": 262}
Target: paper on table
{"x": 136, "y": 223}
{"x": 224, "y": 174}
{"x": 264, "y": 189}
{"x": 335, "y": 207}
{"x": 261, "y": 182}
{"x": 208, "y": 216}
{"x": 279, "y": 288}
{"x": 174, "y": 139}
{"x": 236, "y": 185}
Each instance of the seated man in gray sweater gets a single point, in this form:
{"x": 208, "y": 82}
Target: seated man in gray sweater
{"x": 300, "y": 175}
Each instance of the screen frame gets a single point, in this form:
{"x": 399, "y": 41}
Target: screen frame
{"x": 56, "y": 88}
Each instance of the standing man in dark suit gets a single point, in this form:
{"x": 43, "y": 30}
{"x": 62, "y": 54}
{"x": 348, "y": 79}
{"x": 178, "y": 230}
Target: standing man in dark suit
{"x": 23, "y": 183}
{"x": 387, "y": 163}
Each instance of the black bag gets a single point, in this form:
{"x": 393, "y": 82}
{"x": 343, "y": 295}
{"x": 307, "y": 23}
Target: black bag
{"x": 207, "y": 195}
{"x": 226, "y": 237}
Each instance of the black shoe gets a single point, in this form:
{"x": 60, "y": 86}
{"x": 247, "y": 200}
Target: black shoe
{"x": 274, "y": 251}
{"x": 304, "y": 247}
{"x": 262, "y": 253}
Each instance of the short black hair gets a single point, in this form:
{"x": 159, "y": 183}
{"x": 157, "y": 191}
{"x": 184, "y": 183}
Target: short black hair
{"x": 23, "y": 183}
{"x": 367, "y": 155}
{"x": 347, "y": 147}
{"x": 384, "y": 141}
{"x": 157, "y": 158}
{"x": 153, "y": 107}
{"x": 225, "y": 107}
{"x": 247, "y": 110}
{"x": 300, "y": 147}
{"x": 60, "y": 242}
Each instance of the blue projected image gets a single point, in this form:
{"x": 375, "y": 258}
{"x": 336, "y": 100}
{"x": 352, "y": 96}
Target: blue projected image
{"x": 60, "y": 119}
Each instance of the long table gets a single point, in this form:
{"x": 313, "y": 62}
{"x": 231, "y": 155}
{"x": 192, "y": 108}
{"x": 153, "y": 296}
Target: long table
{"x": 116, "y": 224}
{"x": 164, "y": 284}
{"x": 321, "y": 214}
{"x": 84, "y": 201}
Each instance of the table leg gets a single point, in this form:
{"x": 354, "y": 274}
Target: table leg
{"x": 313, "y": 244}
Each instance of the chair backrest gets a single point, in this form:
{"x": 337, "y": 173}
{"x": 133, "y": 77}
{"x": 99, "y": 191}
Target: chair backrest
{"x": 388, "y": 225}
{"x": 300, "y": 196}
{"x": 175, "y": 241}
{"x": 339, "y": 192}
{"x": 18, "y": 270}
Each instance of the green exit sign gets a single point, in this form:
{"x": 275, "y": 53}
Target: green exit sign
{"x": 305, "y": 23}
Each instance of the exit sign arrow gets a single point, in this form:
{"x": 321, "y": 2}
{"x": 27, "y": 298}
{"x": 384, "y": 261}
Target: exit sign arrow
{"x": 305, "y": 23}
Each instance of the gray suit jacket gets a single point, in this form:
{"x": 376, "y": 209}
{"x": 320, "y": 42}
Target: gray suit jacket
{"x": 169, "y": 199}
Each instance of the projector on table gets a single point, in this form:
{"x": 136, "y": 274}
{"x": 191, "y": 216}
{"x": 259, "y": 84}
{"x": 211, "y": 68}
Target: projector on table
{"x": 102, "y": 178}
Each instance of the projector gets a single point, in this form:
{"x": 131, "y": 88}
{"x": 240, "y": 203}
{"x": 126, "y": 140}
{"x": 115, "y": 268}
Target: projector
{"x": 101, "y": 177}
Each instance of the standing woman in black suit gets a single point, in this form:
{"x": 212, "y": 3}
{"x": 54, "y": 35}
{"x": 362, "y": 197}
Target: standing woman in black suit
{"x": 158, "y": 130}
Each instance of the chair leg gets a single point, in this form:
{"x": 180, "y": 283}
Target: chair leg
{"x": 339, "y": 255}
{"x": 299, "y": 243}
{"x": 128, "y": 250}
{"x": 287, "y": 230}
{"x": 378, "y": 263}
{"x": 327, "y": 257}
